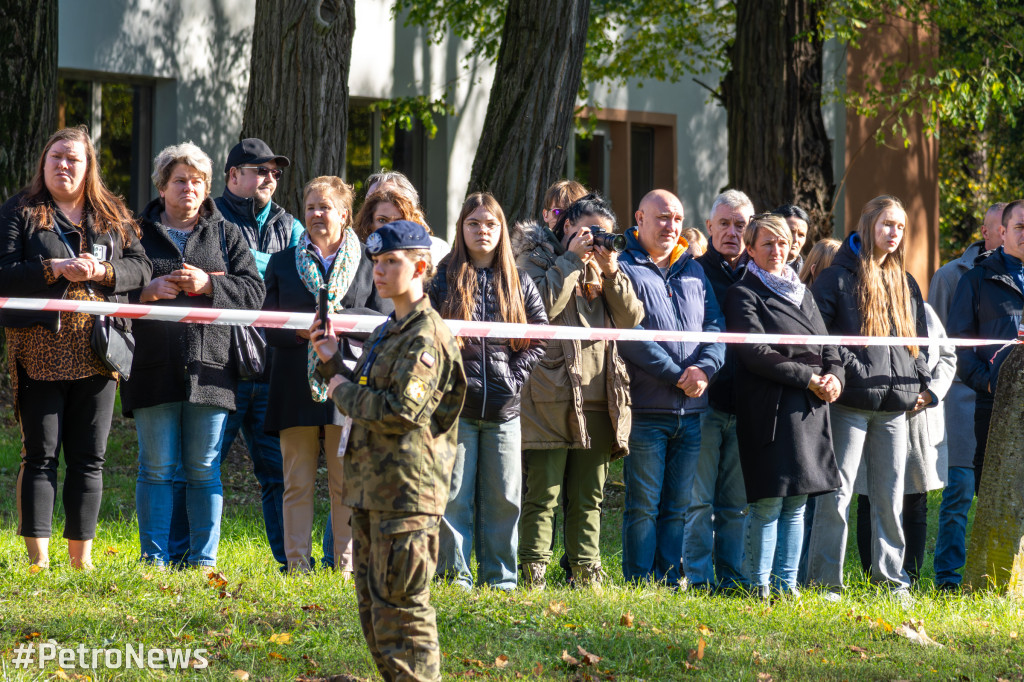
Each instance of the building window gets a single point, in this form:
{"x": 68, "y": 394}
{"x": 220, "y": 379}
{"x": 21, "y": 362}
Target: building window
{"x": 119, "y": 116}
{"x": 374, "y": 143}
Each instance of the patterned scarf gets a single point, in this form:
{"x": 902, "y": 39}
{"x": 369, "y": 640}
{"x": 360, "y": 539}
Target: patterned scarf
{"x": 787, "y": 284}
{"x": 343, "y": 271}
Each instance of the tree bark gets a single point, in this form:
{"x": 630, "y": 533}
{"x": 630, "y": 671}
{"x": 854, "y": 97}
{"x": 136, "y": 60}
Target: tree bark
{"x": 530, "y": 112}
{"x": 779, "y": 152}
{"x": 997, "y": 539}
{"x": 28, "y": 81}
{"x": 298, "y": 88}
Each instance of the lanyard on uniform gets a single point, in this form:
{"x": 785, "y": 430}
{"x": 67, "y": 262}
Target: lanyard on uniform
{"x": 370, "y": 358}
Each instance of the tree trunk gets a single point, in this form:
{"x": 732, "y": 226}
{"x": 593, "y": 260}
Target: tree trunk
{"x": 298, "y": 88}
{"x": 998, "y": 533}
{"x": 530, "y": 112}
{"x": 779, "y": 152}
{"x": 28, "y": 81}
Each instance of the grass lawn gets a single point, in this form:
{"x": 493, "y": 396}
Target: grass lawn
{"x": 253, "y": 621}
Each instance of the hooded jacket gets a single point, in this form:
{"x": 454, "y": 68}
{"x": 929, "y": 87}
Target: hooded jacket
{"x": 191, "y": 363}
{"x": 682, "y": 300}
{"x": 878, "y": 378}
{"x": 495, "y": 374}
{"x": 552, "y": 413}
{"x": 267, "y": 231}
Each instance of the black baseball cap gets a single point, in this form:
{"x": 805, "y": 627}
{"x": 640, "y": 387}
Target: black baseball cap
{"x": 253, "y": 151}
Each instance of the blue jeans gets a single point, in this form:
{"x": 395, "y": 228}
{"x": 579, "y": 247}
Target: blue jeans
{"x": 483, "y": 503}
{"x": 715, "y": 522}
{"x": 951, "y": 544}
{"x": 658, "y": 474}
{"x": 267, "y": 464}
{"x": 185, "y": 435}
{"x": 880, "y": 439}
{"x": 775, "y": 534}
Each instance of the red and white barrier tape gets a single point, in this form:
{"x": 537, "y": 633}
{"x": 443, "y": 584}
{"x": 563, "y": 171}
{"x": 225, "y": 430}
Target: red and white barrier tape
{"x": 502, "y": 330}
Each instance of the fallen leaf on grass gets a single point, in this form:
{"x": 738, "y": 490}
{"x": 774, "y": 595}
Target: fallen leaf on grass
{"x": 33, "y": 569}
{"x": 588, "y": 658}
{"x": 914, "y": 631}
{"x": 626, "y": 620}
{"x": 240, "y": 675}
{"x": 217, "y": 579}
{"x": 756, "y": 658}
{"x": 313, "y": 607}
{"x": 538, "y": 669}
{"x": 1013, "y": 635}
{"x": 700, "y": 648}
{"x": 501, "y": 661}
{"x": 281, "y": 638}
{"x": 764, "y": 677}
{"x": 274, "y": 654}
{"x": 110, "y": 551}
{"x": 555, "y": 608}
{"x": 568, "y": 659}
{"x": 703, "y": 629}
{"x": 859, "y": 650}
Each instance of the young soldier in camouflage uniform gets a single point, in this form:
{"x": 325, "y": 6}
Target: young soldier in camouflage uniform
{"x": 404, "y": 399}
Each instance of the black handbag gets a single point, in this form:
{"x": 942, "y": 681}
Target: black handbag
{"x": 248, "y": 347}
{"x": 112, "y": 338}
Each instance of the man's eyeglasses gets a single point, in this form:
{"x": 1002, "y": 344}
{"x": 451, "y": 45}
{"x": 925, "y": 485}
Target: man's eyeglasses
{"x": 263, "y": 171}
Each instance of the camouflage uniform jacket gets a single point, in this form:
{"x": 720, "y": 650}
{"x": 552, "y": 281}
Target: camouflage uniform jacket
{"x": 404, "y": 403}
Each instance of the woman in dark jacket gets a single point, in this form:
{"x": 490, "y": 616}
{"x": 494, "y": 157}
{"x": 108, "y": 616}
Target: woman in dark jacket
{"x": 328, "y": 255}
{"x": 65, "y": 236}
{"x": 867, "y": 292}
{"x": 183, "y": 377}
{"x": 479, "y": 281}
{"x": 782, "y": 422}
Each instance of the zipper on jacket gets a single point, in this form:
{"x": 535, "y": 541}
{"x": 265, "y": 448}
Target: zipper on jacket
{"x": 483, "y": 347}
{"x": 675, "y": 312}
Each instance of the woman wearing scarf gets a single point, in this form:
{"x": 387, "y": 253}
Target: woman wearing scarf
{"x": 329, "y": 255}
{"x": 782, "y": 420}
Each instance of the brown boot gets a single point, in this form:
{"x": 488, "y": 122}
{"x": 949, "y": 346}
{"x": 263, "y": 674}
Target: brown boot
{"x": 588, "y": 577}
{"x": 534, "y": 576}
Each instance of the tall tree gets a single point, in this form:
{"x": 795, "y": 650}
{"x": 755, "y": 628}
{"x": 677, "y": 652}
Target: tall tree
{"x": 996, "y": 554}
{"x": 533, "y": 99}
{"x": 298, "y": 87}
{"x": 28, "y": 79}
{"x": 779, "y": 151}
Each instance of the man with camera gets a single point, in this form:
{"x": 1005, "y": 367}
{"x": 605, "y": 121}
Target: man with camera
{"x": 668, "y": 383}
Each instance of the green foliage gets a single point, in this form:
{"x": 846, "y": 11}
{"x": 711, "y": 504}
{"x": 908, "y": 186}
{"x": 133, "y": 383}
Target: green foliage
{"x": 404, "y": 111}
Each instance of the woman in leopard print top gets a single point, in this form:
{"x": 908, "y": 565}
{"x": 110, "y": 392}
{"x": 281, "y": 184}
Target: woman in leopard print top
{"x": 65, "y": 236}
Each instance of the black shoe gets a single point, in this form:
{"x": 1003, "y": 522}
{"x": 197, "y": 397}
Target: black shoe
{"x": 947, "y": 587}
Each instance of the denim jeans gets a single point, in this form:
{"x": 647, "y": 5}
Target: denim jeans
{"x": 715, "y": 521}
{"x": 775, "y": 534}
{"x": 186, "y": 435}
{"x": 951, "y": 544}
{"x": 880, "y": 439}
{"x": 483, "y": 505}
{"x": 658, "y": 474}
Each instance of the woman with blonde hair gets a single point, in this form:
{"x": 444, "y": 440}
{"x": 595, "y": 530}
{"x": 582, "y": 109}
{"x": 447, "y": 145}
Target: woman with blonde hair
{"x": 819, "y": 259}
{"x": 868, "y": 292}
{"x": 479, "y": 281}
{"x": 329, "y": 255}
{"x": 697, "y": 243}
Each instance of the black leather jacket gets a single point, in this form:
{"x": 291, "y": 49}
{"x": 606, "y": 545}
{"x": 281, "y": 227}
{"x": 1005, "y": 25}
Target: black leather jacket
{"x": 494, "y": 372}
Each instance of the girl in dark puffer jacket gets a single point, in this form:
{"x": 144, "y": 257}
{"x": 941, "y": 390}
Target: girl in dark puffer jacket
{"x": 479, "y": 281}
{"x": 868, "y": 292}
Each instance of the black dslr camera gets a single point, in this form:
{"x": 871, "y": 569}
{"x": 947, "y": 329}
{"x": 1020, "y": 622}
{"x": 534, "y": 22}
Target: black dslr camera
{"x": 609, "y": 240}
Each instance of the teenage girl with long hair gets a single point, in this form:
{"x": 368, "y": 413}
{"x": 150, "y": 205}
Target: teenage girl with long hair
{"x": 867, "y": 291}
{"x": 479, "y": 281}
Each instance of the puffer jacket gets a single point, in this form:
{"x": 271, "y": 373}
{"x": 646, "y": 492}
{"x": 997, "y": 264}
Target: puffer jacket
{"x": 878, "y": 378}
{"x": 191, "y": 362}
{"x": 552, "y": 414}
{"x": 495, "y": 374}
{"x": 276, "y": 232}
{"x": 988, "y": 304}
{"x": 679, "y": 300}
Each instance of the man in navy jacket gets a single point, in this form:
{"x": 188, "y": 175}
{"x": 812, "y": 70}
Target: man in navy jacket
{"x": 668, "y": 387}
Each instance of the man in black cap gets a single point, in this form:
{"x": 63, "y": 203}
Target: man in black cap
{"x": 252, "y": 171}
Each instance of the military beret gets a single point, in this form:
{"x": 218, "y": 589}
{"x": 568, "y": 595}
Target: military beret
{"x": 401, "y": 234}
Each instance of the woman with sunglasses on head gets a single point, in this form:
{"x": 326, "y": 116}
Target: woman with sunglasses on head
{"x": 575, "y": 415}
{"x": 66, "y": 236}
{"x": 479, "y": 281}
{"x": 868, "y": 292}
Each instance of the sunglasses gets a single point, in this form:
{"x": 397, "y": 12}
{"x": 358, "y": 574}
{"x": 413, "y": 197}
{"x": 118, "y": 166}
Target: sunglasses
{"x": 263, "y": 171}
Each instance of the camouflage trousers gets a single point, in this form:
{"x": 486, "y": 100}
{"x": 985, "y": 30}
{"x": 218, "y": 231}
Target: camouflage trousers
{"x": 395, "y": 555}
